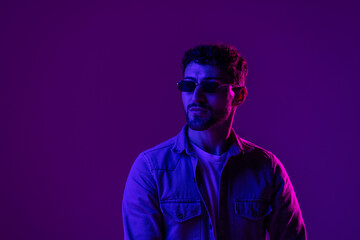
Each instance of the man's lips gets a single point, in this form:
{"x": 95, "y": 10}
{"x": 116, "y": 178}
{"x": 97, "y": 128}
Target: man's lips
{"x": 198, "y": 109}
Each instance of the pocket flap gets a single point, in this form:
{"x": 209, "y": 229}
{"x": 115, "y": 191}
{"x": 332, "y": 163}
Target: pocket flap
{"x": 253, "y": 209}
{"x": 181, "y": 211}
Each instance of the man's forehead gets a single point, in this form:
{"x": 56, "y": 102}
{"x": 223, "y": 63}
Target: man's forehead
{"x": 205, "y": 72}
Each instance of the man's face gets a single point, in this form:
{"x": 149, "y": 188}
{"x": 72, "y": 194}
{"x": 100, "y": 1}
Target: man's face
{"x": 205, "y": 110}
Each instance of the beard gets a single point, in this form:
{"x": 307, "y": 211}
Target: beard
{"x": 203, "y": 122}
{"x": 200, "y": 123}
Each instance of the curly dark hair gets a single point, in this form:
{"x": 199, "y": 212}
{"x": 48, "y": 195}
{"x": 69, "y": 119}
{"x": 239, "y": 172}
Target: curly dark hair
{"x": 224, "y": 56}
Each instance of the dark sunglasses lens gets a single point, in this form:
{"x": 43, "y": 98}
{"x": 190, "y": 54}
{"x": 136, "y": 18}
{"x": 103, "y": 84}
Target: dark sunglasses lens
{"x": 186, "y": 86}
{"x": 210, "y": 87}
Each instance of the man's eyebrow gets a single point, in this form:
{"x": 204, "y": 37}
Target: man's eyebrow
{"x": 206, "y": 78}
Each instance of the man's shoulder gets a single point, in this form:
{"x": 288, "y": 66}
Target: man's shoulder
{"x": 257, "y": 154}
{"x": 161, "y": 156}
{"x": 252, "y": 148}
{"x": 163, "y": 146}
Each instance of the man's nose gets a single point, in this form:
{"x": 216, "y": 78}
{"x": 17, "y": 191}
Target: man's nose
{"x": 198, "y": 95}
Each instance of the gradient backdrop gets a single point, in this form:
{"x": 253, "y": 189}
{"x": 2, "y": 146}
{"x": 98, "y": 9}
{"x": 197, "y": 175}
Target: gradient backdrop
{"x": 86, "y": 86}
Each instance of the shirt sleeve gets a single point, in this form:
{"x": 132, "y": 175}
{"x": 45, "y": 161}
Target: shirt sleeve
{"x": 142, "y": 218}
{"x": 285, "y": 220}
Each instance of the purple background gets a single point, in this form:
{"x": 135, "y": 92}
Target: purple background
{"x": 85, "y": 87}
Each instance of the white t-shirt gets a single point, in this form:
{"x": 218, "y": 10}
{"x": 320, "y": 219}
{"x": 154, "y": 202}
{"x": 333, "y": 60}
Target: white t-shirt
{"x": 210, "y": 167}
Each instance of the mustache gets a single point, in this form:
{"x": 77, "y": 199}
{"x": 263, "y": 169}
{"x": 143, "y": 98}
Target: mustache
{"x": 198, "y": 105}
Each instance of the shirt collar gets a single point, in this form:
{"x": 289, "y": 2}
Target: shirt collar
{"x": 182, "y": 143}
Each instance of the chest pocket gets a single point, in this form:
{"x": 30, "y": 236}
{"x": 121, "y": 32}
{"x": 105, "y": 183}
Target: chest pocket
{"x": 182, "y": 219}
{"x": 181, "y": 211}
{"x": 252, "y": 209}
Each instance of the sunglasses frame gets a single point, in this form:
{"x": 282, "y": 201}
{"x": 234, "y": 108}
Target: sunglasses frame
{"x": 197, "y": 84}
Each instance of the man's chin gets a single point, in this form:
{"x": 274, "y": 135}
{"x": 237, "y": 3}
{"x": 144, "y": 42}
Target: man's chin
{"x": 196, "y": 128}
{"x": 199, "y": 125}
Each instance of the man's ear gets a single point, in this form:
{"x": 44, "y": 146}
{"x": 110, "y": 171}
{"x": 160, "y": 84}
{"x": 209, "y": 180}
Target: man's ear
{"x": 240, "y": 95}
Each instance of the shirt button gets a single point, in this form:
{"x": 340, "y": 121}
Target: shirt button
{"x": 179, "y": 215}
{"x": 253, "y": 212}
{"x": 210, "y": 226}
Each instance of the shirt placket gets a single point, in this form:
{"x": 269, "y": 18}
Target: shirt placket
{"x": 223, "y": 199}
{"x": 201, "y": 189}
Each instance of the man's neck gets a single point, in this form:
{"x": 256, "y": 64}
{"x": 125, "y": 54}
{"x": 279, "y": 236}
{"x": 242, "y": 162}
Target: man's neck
{"x": 214, "y": 140}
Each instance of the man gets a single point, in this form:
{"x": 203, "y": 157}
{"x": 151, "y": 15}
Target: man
{"x": 207, "y": 182}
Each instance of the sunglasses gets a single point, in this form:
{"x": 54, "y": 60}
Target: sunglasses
{"x": 206, "y": 86}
